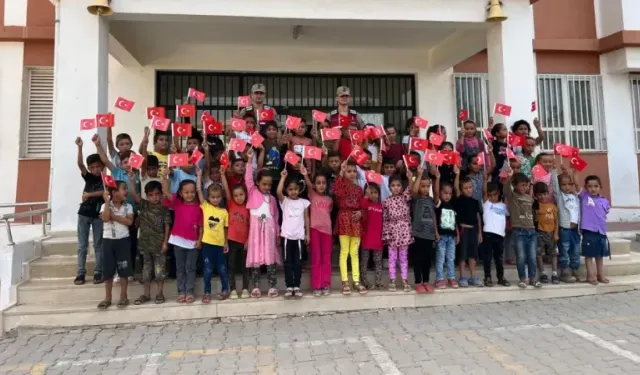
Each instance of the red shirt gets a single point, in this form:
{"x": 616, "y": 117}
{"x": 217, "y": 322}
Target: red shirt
{"x": 344, "y": 148}
{"x": 234, "y": 180}
{"x": 238, "y": 222}
{"x": 372, "y": 225}
{"x": 394, "y": 152}
{"x": 348, "y": 197}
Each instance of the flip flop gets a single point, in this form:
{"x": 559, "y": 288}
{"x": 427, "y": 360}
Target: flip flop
{"x": 104, "y": 305}
{"x": 142, "y": 300}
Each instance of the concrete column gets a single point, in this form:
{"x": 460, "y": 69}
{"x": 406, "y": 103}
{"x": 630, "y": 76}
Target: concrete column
{"x": 512, "y": 63}
{"x": 81, "y": 81}
{"x": 436, "y": 100}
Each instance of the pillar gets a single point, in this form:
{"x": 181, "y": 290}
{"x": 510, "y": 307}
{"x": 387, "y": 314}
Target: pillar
{"x": 436, "y": 100}
{"x": 81, "y": 81}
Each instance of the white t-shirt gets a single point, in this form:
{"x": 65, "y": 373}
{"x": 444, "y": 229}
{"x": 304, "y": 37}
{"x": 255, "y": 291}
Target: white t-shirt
{"x": 113, "y": 230}
{"x": 385, "y": 192}
{"x": 494, "y": 216}
{"x": 373, "y": 149}
{"x": 263, "y": 209}
{"x": 293, "y": 218}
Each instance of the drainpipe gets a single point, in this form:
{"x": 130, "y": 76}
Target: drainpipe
{"x": 56, "y": 4}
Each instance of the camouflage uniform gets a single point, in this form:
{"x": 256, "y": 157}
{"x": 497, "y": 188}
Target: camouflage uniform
{"x": 153, "y": 218}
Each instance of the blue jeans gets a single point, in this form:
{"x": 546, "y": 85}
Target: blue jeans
{"x": 86, "y": 223}
{"x": 526, "y": 246}
{"x": 569, "y": 249}
{"x": 446, "y": 251}
{"x": 214, "y": 256}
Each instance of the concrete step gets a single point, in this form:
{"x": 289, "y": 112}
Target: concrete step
{"x": 64, "y": 245}
{"x": 620, "y": 247}
{"x": 81, "y": 314}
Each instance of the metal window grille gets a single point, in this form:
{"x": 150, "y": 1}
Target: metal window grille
{"x": 38, "y": 116}
{"x": 635, "y": 100}
{"x": 391, "y": 96}
{"x": 472, "y": 94}
{"x": 570, "y": 109}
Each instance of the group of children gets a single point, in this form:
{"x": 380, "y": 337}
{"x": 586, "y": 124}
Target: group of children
{"x": 252, "y": 211}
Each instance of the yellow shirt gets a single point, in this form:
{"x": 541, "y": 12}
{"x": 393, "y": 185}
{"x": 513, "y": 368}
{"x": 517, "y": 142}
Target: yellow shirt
{"x": 163, "y": 162}
{"x": 216, "y": 219}
{"x": 547, "y": 217}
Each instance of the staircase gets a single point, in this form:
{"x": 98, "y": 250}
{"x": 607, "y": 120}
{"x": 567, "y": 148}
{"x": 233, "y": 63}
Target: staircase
{"x": 48, "y": 298}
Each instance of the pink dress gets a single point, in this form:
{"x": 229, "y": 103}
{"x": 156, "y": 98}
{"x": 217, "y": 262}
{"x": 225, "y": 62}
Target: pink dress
{"x": 396, "y": 231}
{"x": 263, "y": 226}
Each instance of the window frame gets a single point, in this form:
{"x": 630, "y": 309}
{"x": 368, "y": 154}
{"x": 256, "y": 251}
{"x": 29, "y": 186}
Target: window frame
{"x": 25, "y": 113}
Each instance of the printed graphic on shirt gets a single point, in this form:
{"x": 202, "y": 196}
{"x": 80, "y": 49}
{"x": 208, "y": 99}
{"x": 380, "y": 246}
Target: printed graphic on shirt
{"x": 213, "y": 222}
{"x": 499, "y": 210}
{"x": 590, "y": 202}
{"x": 448, "y": 219}
{"x": 272, "y": 158}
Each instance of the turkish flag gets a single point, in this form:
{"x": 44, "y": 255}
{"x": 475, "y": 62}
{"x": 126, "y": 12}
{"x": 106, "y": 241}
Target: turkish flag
{"x": 376, "y": 132}
{"x": 357, "y": 136}
{"x": 155, "y": 111}
{"x": 186, "y": 110}
{"x": 178, "y": 160}
{"x": 481, "y": 158}
{"x": 451, "y": 157}
{"x": 238, "y": 125}
{"x": 502, "y": 109}
{"x": 292, "y": 122}
{"x": 237, "y": 144}
{"x": 318, "y": 116}
{"x": 463, "y": 115}
{"x": 88, "y": 124}
{"x": 575, "y": 151}
{"x": 329, "y": 134}
{"x": 373, "y": 177}
{"x": 436, "y": 139}
{"x": 224, "y": 159}
{"x": 418, "y": 144}
{"x": 105, "y": 120}
{"x": 181, "y": 130}
{"x": 136, "y": 160}
{"x": 124, "y": 104}
{"x": 560, "y": 149}
{"x": 265, "y": 115}
{"x": 578, "y": 163}
{"x": 256, "y": 139}
{"x": 511, "y": 154}
{"x": 311, "y": 152}
{"x": 197, "y": 95}
{"x": 538, "y": 171}
{"x": 358, "y": 155}
{"x": 534, "y": 106}
{"x": 515, "y": 140}
{"x": 433, "y": 157}
{"x": 344, "y": 121}
{"x": 487, "y": 134}
{"x": 196, "y": 156}
{"x": 411, "y": 160}
{"x": 244, "y": 101}
{"x": 420, "y": 122}
{"x": 291, "y": 158}
{"x": 108, "y": 181}
{"x": 160, "y": 123}
{"x": 213, "y": 128}
{"x": 206, "y": 118}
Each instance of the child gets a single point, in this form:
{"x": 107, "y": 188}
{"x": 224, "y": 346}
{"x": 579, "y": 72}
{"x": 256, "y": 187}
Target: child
{"x": 270, "y": 157}
{"x": 469, "y": 145}
{"x": 214, "y": 238}
{"x": 89, "y": 214}
{"x": 349, "y": 224}
{"x": 499, "y": 145}
{"x": 321, "y": 239}
{"x": 394, "y": 150}
{"x": 494, "y": 215}
{"x": 263, "y": 241}
{"x": 388, "y": 170}
{"x": 547, "y": 162}
{"x": 522, "y": 128}
{"x": 177, "y": 175}
{"x": 333, "y": 171}
{"x": 412, "y": 131}
{"x": 237, "y": 235}
{"x": 546, "y": 219}
{"x": 447, "y": 176}
{"x": 123, "y": 144}
{"x": 236, "y": 172}
{"x": 294, "y": 231}
{"x": 527, "y": 161}
{"x": 186, "y": 235}
{"x": 470, "y": 226}
{"x": 424, "y": 230}
{"x": 593, "y": 222}
{"x": 117, "y": 216}
{"x": 569, "y": 218}
{"x": 372, "y": 219}
{"x": 448, "y": 236}
{"x": 520, "y": 203}
{"x": 155, "y": 225}
{"x": 396, "y": 232}
{"x": 160, "y": 149}
{"x": 149, "y": 173}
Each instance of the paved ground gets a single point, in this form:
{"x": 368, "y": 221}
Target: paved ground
{"x": 585, "y": 335}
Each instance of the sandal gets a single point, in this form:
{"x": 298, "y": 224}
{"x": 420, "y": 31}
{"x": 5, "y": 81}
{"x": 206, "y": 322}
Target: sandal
{"x": 104, "y": 305}
{"x": 190, "y": 298}
{"x": 361, "y": 289}
{"x": 256, "y": 293}
{"x": 603, "y": 280}
{"x": 206, "y": 298}
{"x": 592, "y": 281}
{"x": 181, "y": 298}
{"x": 222, "y": 296}
{"x": 123, "y": 303}
{"x": 346, "y": 290}
{"x": 273, "y": 293}
{"x": 142, "y": 300}
{"x": 160, "y": 299}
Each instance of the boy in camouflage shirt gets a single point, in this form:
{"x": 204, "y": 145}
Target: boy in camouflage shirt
{"x": 155, "y": 223}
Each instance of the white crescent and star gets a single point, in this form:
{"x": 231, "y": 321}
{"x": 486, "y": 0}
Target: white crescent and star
{"x": 311, "y": 152}
{"x": 431, "y": 156}
{"x": 101, "y": 120}
{"x": 122, "y": 104}
{"x": 263, "y": 115}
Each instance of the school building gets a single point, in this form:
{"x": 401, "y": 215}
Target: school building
{"x": 60, "y": 63}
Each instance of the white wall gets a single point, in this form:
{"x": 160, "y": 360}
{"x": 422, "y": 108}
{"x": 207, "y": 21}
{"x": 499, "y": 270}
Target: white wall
{"x": 436, "y": 101}
{"x": 15, "y": 13}
{"x": 11, "y": 75}
{"x": 616, "y": 15}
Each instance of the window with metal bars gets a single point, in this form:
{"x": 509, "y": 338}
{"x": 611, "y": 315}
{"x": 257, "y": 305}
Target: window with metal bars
{"x": 38, "y": 113}
{"x": 390, "y": 97}
{"x": 472, "y": 94}
{"x": 635, "y": 102}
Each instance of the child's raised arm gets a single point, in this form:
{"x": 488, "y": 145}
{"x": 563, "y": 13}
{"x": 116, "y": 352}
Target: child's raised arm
{"x": 225, "y": 184}
{"x": 132, "y": 182}
{"x": 145, "y": 142}
{"x": 248, "y": 170}
{"x": 540, "y": 137}
{"x": 166, "y": 192}
{"x": 307, "y": 181}
{"x": 110, "y": 147}
{"x": 199, "y": 185}
{"x": 106, "y": 207}
{"x": 492, "y": 160}
{"x": 281, "y": 185}
{"x": 436, "y": 187}
{"x": 416, "y": 184}
{"x": 103, "y": 155}
{"x": 80, "y": 161}
{"x": 485, "y": 181}
{"x": 456, "y": 182}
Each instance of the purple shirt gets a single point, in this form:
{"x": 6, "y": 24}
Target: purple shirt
{"x": 594, "y": 212}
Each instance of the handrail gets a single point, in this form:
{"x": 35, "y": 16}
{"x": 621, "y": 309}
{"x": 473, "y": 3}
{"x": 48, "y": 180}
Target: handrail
{"x": 30, "y": 214}
{"x": 25, "y": 204}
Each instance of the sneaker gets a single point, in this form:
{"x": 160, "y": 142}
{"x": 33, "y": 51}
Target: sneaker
{"x": 555, "y": 279}
{"x": 543, "y": 279}
{"x": 535, "y": 284}
{"x": 488, "y": 282}
{"x": 475, "y": 281}
{"x": 317, "y": 292}
{"x": 440, "y": 284}
{"x": 420, "y": 289}
{"x": 79, "y": 280}
{"x": 245, "y": 293}
{"x": 504, "y": 282}
{"x": 429, "y": 288}
{"x": 392, "y": 286}
{"x": 453, "y": 284}
{"x": 97, "y": 278}
{"x": 233, "y": 295}
{"x": 297, "y": 293}
{"x": 288, "y": 294}
{"x": 522, "y": 284}
{"x": 567, "y": 277}
{"x": 463, "y": 282}
{"x": 326, "y": 291}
